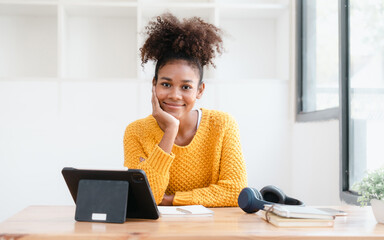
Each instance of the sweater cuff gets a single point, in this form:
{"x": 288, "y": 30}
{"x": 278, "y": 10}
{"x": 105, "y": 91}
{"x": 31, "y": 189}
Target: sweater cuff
{"x": 160, "y": 160}
{"x": 182, "y": 198}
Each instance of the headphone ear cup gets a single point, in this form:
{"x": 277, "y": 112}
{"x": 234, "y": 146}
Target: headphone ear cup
{"x": 251, "y": 200}
{"x": 245, "y": 199}
{"x": 273, "y": 194}
{"x": 293, "y": 201}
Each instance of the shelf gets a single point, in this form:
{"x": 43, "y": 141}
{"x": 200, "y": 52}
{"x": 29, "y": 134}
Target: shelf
{"x": 192, "y": 3}
{"x": 100, "y": 80}
{"x": 31, "y": 9}
{"x": 26, "y": 3}
{"x": 28, "y": 79}
{"x": 115, "y": 3}
{"x": 93, "y": 49}
{"x": 28, "y": 42}
{"x": 253, "y": 2}
{"x": 101, "y": 10}
{"x": 242, "y": 81}
{"x": 252, "y": 11}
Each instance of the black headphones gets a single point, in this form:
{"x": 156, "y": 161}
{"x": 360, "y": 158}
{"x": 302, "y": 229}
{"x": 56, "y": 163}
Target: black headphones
{"x": 251, "y": 200}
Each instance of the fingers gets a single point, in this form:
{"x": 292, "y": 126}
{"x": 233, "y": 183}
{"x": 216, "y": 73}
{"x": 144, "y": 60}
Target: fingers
{"x": 155, "y": 101}
{"x": 153, "y": 98}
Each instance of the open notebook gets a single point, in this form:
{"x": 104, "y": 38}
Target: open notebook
{"x": 180, "y": 211}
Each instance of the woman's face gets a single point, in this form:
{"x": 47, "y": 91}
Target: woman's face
{"x": 177, "y": 88}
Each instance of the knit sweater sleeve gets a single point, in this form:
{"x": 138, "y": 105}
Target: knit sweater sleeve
{"x": 155, "y": 162}
{"x": 232, "y": 175}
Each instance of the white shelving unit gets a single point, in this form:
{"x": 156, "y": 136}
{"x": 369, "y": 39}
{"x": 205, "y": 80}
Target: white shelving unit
{"x": 93, "y": 40}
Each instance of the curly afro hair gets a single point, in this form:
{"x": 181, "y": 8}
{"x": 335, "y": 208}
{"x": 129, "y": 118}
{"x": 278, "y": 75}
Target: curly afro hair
{"x": 192, "y": 40}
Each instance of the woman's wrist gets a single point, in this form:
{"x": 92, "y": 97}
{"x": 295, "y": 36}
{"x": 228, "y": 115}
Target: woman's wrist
{"x": 167, "y": 200}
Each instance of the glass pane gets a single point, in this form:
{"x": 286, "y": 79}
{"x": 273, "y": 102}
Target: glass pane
{"x": 320, "y": 55}
{"x": 366, "y": 87}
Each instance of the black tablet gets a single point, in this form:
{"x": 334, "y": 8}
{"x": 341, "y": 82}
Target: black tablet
{"x": 141, "y": 203}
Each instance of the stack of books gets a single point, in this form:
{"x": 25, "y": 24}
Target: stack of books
{"x": 296, "y": 216}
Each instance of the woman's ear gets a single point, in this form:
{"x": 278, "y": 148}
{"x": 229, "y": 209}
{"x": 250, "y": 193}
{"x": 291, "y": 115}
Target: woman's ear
{"x": 154, "y": 81}
{"x": 200, "y": 90}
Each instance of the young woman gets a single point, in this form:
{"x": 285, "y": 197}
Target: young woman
{"x": 191, "y": 157}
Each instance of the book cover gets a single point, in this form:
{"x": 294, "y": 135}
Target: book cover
{"x": 279, "y": 221}
{"x": 291, "y": 211}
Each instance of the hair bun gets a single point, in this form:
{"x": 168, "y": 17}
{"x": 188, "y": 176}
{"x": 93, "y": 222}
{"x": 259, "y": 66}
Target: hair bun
{"x": 191, "y": 37}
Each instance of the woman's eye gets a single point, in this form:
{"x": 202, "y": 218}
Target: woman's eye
{"x": 166, "y": 84}
{"x": 187, "y": 87}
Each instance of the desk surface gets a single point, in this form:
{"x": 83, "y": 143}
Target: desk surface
{"x": 57, "y": 222}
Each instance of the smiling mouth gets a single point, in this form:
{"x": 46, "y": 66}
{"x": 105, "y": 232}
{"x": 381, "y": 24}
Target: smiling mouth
{"x": 173, "y": 105}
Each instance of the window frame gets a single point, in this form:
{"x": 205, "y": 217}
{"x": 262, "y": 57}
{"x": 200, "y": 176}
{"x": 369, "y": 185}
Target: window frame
{"x": 344, "y": 126}
{"x": 302, "y": 116}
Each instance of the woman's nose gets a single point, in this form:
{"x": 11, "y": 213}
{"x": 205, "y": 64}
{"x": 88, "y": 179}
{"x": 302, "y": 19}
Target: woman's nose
{"x": 175, "y": 94}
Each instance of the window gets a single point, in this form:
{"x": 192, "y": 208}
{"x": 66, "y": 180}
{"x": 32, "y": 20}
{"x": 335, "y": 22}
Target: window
{"x": 363, "y": 90}
{"x": 318, "y": 59}
{"x": 344, "y": 44}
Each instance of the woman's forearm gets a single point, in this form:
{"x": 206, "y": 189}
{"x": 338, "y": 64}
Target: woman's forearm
{"x": 168, "y": 139}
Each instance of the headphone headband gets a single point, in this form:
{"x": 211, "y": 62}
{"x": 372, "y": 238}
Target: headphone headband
{"x": 251, "y": 200}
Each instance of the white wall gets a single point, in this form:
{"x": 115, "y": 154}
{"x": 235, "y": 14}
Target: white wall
{"x": 315, "y": 162}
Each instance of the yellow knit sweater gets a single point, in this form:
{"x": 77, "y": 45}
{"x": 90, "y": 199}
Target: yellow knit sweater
{"x": 209, "y": 171}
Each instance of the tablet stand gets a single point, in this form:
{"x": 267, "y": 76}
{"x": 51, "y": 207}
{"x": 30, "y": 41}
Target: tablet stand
{"x": 102, "y": 201}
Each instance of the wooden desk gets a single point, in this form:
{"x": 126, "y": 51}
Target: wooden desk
{"x": 57, "y": 222}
